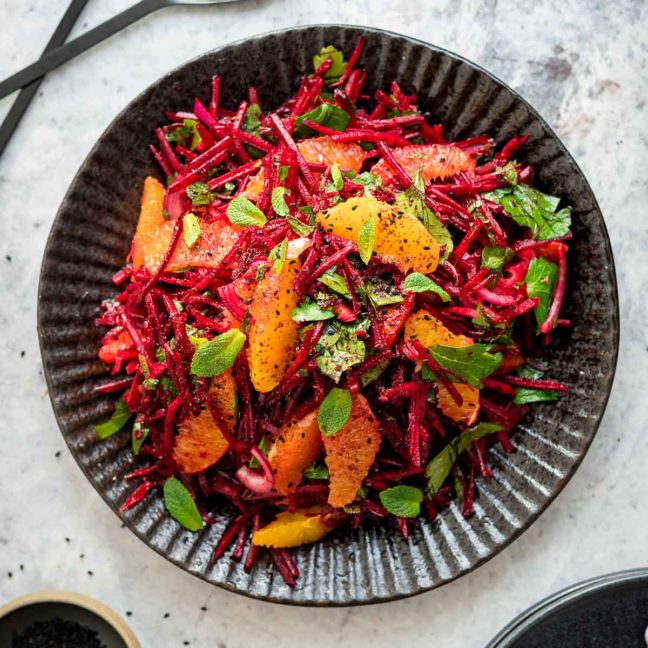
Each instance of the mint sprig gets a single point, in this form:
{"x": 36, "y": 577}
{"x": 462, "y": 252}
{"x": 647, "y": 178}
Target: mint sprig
{"x": 217, "y": 355}
{"x": 243, "y": 212}
{"x": 117, "y": 421}
{"x": 366, "y": 240}
{"x": 402, "y": 501}
{"x": 417, "y": 282}
{"x": 180, "y": 504}
{"x": 334, "y": 411}
{"x": 190, "y": 230}
{"x": 470, "y": 363}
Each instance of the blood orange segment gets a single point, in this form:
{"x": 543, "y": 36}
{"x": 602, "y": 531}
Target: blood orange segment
{"x": 273, "y": 334}
{"x": 200, "y": 443}
{"x": 151, "y": 220}
{"x": 400, "y": 238}
{"x": 113, "y": 345}
{"x": 432, "y": 161}
{"x": 292, "y": 529}
{"x": 468, "y": 411}
{"x": 430, "y": 331}
{"x": 351, "y": 451}
{"x": 298, "y": 445}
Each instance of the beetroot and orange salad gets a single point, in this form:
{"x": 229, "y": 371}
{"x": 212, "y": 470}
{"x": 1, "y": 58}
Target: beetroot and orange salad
{"x": 329, "y": 313}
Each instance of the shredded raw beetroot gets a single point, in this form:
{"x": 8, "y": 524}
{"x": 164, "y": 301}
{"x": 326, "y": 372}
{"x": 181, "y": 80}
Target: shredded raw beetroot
{"x": 355, "y": 320}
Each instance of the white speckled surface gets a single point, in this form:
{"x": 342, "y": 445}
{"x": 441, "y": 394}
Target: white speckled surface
{"x": 583, "y": 65}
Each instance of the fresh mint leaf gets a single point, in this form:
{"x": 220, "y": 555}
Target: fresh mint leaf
{"x": 412, "y": 202}
{"x": 525, "y": 395}
{"x": 374, "y": 373}
{"x": 278, "y": 201}
{"x": 439, "y": 468}
{"x": 186, "y": 135}
{"x": 252, "y": 119}
{"x": 140, "y": 434}
{"x": 531, "y": 208}
{"x": 316, "y": 471}
{"x": 282, "y": 173}
{"x": 337, "y": 178}
{"x": 309, "y": 311}
{"x": 402, "y": 501}
{"x": 334, "y": 411}
{"x": 301, "y": 229}
{"x": 326, "y": 114}
{"x": 383, "y": 293}
{"x": 339, "y": 348}
{"x": 366, "y": 240}
{"x": 190, "y": 230}
{"x": 417, "y": 282}
{"x": 199, "y": 194}
{"x": 470, "y": 363}
{"x": 180, "y": 504}
{"x": 243, "y": 212}
{"x": 264, "y": 446}
{"x": 117, "y": 421}
{"x": 278, "y": 255}
{"x": 540, "y": 279}
{"x": 218, "y": 354}
{"x": 335, "y": 282}
{"x": 494, "y": 258}
{"x": 367, "y": 179}
{"x": 336, "y": 70}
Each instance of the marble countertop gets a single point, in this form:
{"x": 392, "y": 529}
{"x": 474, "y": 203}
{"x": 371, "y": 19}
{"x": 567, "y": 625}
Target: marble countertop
{"x": 583, "y": 65}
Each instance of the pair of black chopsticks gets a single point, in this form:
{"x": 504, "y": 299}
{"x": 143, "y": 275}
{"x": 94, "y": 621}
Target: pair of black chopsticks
{"x": 23, "y": 100}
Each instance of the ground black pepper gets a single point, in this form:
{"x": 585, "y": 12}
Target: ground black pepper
{"x": 56, "y": 633}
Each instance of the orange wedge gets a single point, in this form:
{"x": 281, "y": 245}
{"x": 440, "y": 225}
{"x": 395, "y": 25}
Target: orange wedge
{"x": 468, "y": 411}
{"x": 432, "y": 161}
{"x": 429, "y": 331}
{"x": 298, "y": 445}
{"x": 273, "y": 334}
{"x": 400, "y": 238}
{"x": 350, "y": 452}
{"x": 292, "y": 529}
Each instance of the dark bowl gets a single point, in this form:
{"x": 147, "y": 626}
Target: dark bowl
{"x": 89, "y": 242}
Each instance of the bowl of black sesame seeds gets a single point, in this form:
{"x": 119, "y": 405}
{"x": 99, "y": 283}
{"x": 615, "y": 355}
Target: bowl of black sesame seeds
{"x": 56, "y": 619}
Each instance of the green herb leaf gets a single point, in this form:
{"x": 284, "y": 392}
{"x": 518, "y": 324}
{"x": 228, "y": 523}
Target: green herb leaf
{"x": 199, "y": 193}
{"x": 186, "y": 135}
{"x": 366, "y": 239}
{"x": 140, "y": 433}
{"x": 439, "y": 468}
{"x": 264, "y": 446}
{"x": 243, "y": 212}
{"x": 326, "y": 114}
{"x": 540, "y": 279}
{"x": 374, "y": 373}
{"x": 412, "y": 202}
{"x": 525, "y": 395}
{"x": 216, "y": 356}
{"x": 337, "y": 178}
{"x": 368, "y": 180}
{"x": 335, "y": 282}
{"x": 190, "y": 230}
{"x": 329, "y": 52}
{"x": 531, "y": 208}
{"x": 417, "y": 282}
{"x": 471, "y": 363}
{"x": 494, "y": 258}
{"x": 383, "y": 293}
{"x": 402, "y": 501}
{"x": 117, "y": 421}
{"x": 278, "y": 201}
{"x": 180, "y": 504}
{"x": 339, "y": 348}
{"x": 334, "y": 411}
{"x": 278, "y": 255}
{"x": 309, "y": 311}
{"x": 301, "y": 229}
{"x": 316, "y": 471}
{"x": 252, "y": 119}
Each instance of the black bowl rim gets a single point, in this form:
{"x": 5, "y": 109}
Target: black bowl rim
{"x": 614, "y": 293}
{"x": 553, "y": 602}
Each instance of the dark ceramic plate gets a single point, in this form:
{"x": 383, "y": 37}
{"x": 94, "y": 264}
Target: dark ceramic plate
{"x": 606, "y": 612}
{"x": 90, "y": 239}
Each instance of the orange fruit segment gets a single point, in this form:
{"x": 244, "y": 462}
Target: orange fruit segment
{"x": 468, "y": 411}
{"x": 200, "y": 443}
{"x": 350, "y": 452}
{"x": 273, "y": 334}
{"x": 318, "y": 150}
{"x": 400, "y": 238}
{"x": 510, "y": 360}
{"x": 111, "y": 347}
{"x": 298, "y": 445}
{"x": 292, "y": 529}
{"x": 430, "y": 331}
{"x": 153, "y": 237}
{"x": 432, "y": 161}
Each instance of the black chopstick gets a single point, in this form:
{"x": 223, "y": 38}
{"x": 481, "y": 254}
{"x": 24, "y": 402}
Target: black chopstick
{"x": 23, "y": 100}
